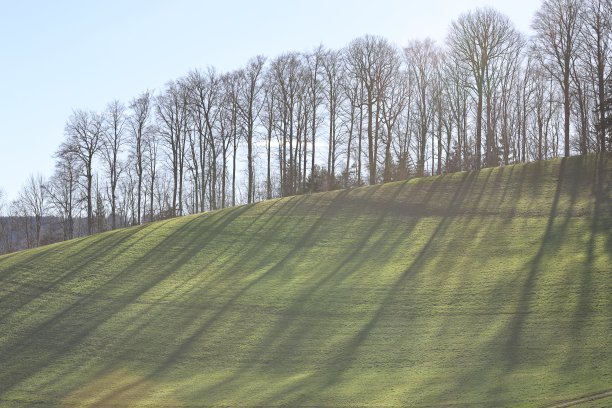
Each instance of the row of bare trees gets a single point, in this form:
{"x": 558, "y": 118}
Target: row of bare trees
{"x": 325, "y": 119}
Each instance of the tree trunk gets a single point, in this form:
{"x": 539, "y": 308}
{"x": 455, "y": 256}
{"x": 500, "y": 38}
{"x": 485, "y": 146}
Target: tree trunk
{"x": 566, "y": 107}
{"x": 371, "y": 158}
{"x": 479, "y": 127}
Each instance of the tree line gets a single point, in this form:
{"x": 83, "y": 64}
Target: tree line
{"x": 303, "y": 122}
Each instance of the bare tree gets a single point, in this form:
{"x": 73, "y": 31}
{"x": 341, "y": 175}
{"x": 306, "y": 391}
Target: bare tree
{"x": 227, "y": 125}
{"x": 113, "y": 140}
{"x": 63, "y": 188}
{"x": 392, "y": 105}
{"x": 286, "y": 70}
{"x": 84, "y": 131}
{"x": 542, "y": 106}
{"x": 205, "y": 96}
{"x": 139, "y": 119}
{"x": 334, "y": 97}
{"x": 459, "y": 107}
{"x": 595, "y": 42}
{"x": 152, "y": 148}
{"x": 172, "y": 114}
{"x": 6, "y": 240}
{"x": 313, "y": 66}
{"x": 352, "y": 111}
{"x": 373, "y": 61}
{"x": 231, "y": 97}
{"x": 432, "y": 111}
{"x": 605, "y": 125}
{"x": 478, "y": 40}
{"x": 127, "y": 200}
{"x": 502, "y": 99}
{"x": 34, "y": 198}
{"x": 556, "y": 24}
{"x": 21, "y": 223}
{"x": 582, "y": 106}
{"x": 249, "y": 107}
{"x": 269, "y": 123}
{"x": 422, "y": 59}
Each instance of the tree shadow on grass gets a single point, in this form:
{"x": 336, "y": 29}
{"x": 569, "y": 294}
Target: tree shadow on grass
{"x": 304, "y": 241}
{"x": 476, "y": 227}
{"x": 509, "y": 351}
{"x": 28, "y": 259}
{"x": 143, "y": 319}
{"x": 346, "y": 354}
{"x": 101, "y": 247}
{"x": 246, "y": 246}
{"x": 600, "y": 228}
{"x": 287, "y": 333}
{"x": 509, "y": 347}
{"x": 61, "y": 332}
{"x": 257, "y": 242}
{"x": 172, "y": 356}
{"x": 200, "y": 280}
{"x": 287, "y": 338}
{"x": 551, "y": 241}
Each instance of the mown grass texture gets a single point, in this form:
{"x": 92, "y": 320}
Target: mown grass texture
{"x": 490, "y": 288}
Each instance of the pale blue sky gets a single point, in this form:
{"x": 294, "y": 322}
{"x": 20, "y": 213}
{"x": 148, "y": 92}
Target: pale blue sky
{"x": 56, "y": 56}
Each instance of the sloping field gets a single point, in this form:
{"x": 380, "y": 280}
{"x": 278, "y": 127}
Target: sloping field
{"x": 482, "y": 289}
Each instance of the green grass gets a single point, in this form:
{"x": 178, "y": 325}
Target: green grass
{"x": 491, "y": 288}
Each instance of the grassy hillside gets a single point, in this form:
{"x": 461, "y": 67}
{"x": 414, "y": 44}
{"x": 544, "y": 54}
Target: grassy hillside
{"x": 482, "y": 289}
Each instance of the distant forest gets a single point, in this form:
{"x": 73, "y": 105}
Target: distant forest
{"x": 326, "y": 119}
